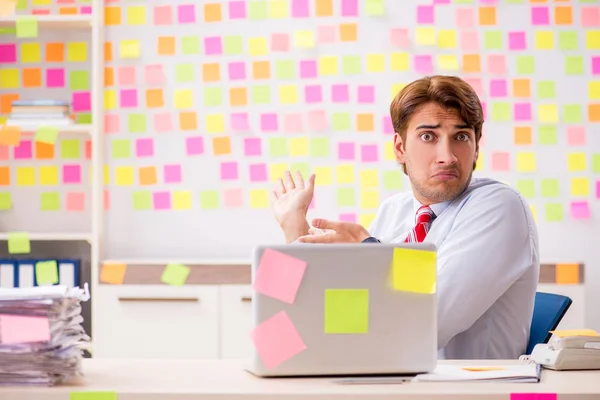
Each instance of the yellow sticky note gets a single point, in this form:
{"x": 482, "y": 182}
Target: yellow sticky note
{"x": 323, "y": 176}
{"x": 277, "y": 170}
{"x": 183, "y": 98}
{"x": 414, "y": 270}
{"x": 425, "y": 36}
{"x": 304, "y": 39}
{"x": 399, "y": 62}
{"x": 369, "y": 178}
{"x": 18, "y": 243}
{"x": 182, "y": 200}
{"x": 113, "y": 273}
{"x": 30, "y": 52}
{"x": 257, "y": 46}
{"x": 345, "y": 173}
{"x": 375, "y": 63}
{"x": 136, "y": 15}
{"x": 365, "y": 220}
{"x": 9, "y": 78}
{"x": 25, "y": 176}
{"x": 533, "y": 212}
{"x": 544, "y": 40}
{"x": 448, "y": 62}
{"x": 46, "y": 272}
{"x": 594, "y": 90}
{"x": 288, "y": 94}
{"x": 526, "y": 162}
{"x": 580, "y": 186}
{"x": 576, "y": 162}
{"x": 592, "y": 39}
{"x": 46, "y": 134}
{"x": 574, "y": 332}
{"x": 110, "y": 99}
{"x": 278, "y": 9}
{"x": 328, "y": 65}
{"x": 548, "y": 113}
{"x": 124, "y": 176}
{"x": 129, "y": 49}
{"x": 77, "y": 52}
{"x": 369, "y": 198}
{"x": 215, "y": 123}
{"x": 397, "y": 88}
{"x": 48, "y": 175}
{"x": 175, "y": 274}
{"x": 447, "y": 39}
{"x": 388, "y": 151}
{"x": 299, "y": 147}
{"x": 259, "y": 198}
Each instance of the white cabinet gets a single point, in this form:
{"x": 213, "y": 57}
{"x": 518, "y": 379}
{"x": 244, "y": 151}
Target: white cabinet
{"x": 156, "y": 322}
{"x": 236, "y": 321}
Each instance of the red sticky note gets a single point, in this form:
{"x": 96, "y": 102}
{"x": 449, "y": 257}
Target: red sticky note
{"x": 23, "y": 329}
{"x": 279, "y": 275}
{"x": 277, "y": 340}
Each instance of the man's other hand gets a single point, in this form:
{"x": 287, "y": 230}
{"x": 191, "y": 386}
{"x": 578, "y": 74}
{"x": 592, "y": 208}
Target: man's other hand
{"x": 335, "y": 232}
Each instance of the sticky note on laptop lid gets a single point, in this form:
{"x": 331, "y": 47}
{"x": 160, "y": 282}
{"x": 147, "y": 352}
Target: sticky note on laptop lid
{"x": 414, "y": 270}
{"x": 279, "y": 275}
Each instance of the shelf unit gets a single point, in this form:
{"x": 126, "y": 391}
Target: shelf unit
{"x": 80, "y": 129}
{"x": 54, "y": 236}
{"x": 54, "y": 21}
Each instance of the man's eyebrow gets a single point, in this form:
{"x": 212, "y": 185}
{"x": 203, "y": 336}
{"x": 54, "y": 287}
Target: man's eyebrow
{"x": 423, "y": 126}
{"x": 463, "y": 126}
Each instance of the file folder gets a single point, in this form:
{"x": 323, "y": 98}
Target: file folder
{"x": 8, "y": 275}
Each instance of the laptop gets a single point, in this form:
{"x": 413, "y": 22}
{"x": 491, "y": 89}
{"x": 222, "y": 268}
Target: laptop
{"x": 343, "y": 310}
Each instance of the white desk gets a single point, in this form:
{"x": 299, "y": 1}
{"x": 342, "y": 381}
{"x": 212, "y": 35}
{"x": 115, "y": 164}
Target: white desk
{"x": 226, "y": 380}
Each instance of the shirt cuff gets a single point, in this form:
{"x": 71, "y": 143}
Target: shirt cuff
{"x": 371, "y": 239}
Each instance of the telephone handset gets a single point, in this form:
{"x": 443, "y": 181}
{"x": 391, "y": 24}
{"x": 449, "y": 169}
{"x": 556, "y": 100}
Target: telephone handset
{"x": 568, "y": 353}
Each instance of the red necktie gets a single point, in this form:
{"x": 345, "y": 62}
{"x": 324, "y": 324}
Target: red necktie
{"x": 424, "y": 217}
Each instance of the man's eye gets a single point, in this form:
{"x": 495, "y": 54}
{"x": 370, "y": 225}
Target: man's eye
{"x": 463, "y": 137}
{"x": 427, "y": 137}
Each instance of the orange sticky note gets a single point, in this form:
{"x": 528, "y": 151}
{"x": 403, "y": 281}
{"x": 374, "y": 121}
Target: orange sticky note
{"x": 479, "y": 369}
{"x": 471, "y": 63}
{"x": 575, "y": 332}
{"x": 567, "y": 274}
{"x": 166, "y": 46}
{"x": 221, "y": 145}
{"x": 522, "y": 135}
{"x": 594, "y": 112}
{"x": 147, "y": 175}
{"x": 113, "y": 273}
{"x": 7, "y": 8}
{"x": 487, "y": 16}
{"x": 212, "y": 12}
{"x": 211, "y": 73}
{"x": 10, "y": 135}
{"x": 521, "y": 87}
{"x": 188, "y": 121}
{"x": 364, "y": 122}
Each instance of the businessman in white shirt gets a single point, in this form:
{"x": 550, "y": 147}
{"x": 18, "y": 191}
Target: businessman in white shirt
{"x": 486, "y": 238}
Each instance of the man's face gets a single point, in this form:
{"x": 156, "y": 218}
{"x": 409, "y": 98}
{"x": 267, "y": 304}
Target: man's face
{"x": 440, "y": 153}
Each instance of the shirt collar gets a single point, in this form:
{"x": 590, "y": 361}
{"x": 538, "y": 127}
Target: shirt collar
{"x": 437, "y": 208}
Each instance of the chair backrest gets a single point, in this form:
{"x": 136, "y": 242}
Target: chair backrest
{"x": 548, "y": 310}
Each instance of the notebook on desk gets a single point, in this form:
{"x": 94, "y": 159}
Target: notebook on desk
{"x": 522, "y": 373}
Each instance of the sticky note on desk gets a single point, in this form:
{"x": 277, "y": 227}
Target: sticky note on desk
{"x": 414, "y": 270}
{"x": 93, "y": 396}
{"x": 16, "y": 329}
{"x": 175, "y": 274}
{"x": 346, "y": 311}
{"x": 18, "y": 243}
{"x": 46, "y": 272}
{"x": 279, "y": 275}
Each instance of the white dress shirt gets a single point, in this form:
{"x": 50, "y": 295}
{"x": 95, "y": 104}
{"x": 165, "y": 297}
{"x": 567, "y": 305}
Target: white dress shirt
{"x": 487, "y": 267}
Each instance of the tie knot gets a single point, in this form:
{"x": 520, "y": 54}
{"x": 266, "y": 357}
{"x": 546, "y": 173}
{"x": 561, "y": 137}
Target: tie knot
{"x": 424, "y": 215}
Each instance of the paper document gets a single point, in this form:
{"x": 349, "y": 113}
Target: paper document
{"x": 526, "y": 373}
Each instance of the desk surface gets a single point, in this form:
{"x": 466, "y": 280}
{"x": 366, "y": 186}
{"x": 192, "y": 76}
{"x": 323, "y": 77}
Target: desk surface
{"x": 226, "y": 380}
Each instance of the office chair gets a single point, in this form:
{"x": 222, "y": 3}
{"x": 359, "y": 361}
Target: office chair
{"x": 548, "y": 311}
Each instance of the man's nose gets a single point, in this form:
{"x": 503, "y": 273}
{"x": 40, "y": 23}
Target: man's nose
{"x": 445, "y": 155}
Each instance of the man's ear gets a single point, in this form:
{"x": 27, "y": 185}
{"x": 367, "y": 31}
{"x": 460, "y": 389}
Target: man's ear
{"x": 399, "y": 148}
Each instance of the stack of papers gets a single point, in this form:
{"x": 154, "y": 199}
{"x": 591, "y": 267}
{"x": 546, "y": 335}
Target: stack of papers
{"x": 41, "y": 334}
{"x": 525, "y": 373}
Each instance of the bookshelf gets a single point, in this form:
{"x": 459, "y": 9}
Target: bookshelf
{"x": 53, "y": 21}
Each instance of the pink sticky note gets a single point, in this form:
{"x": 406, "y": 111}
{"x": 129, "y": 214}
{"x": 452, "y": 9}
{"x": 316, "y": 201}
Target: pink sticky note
{"x": 469, "y": 41}
{"x": 81, "y": 101}
{"x": 590, "y": 16}
{"x": 258, "y": 172}
{"x": 8, "y": 53}
{"x": 161, "y": 200}
{"x": 71, "y": 173}
{"x": 111, "y": 123}
{"x": 106, "y": 200}
{"x": 144, "y": 147}
{"x": 293, "y": 123}
{"x": 517, "y": 40}
{"x": 498, "y": 88}
{"x": 326, "y": 34}
{"x": 276, "y": 340}
{"x": 128, "y": 98}
{"x": 540, "y": 16}
{"x": 3, "y": 153}
{"x": 399, "y": 37}
{"x": 533, "y": 396}
{"x": 340, "y": 93}
{"x": 194, "y": 145}
{"x": 172, "y": 173}
{"x": 163, "y": 122}
{"x": 239, "y": 122}
{"x": 55, "y": 77}
{"x": 280, "y": 42}
{"x": 425, "y": 15}
{"x": 163, "y": 15}
{"x": 23, "y": 150}
{"x": 348, "y": 217}
{"x": 596, "y": 65}
{"x": 237, "y": 70}
{"x": 229, "y": 170}
{"x": 346, "y": 151}
{"x": 268, "y": 122}
{"x": 213, "y": 45}
{"x": 317, "y": 120}
{"x": 496, "y": 64}
{"x": 84, "y": 10}
{"x": 580, "y": 210}
{"x": 279, "y": 275}
{"x": 366, "y": 94}
{"x": 15, "y": 329}
{"x": 154, "y": 75}
{"x": 423, "y": 64}
{"x": 349, "y": 8}
{"x": 476, "y": 84}
{"x": 368, "y": 153}
{"x": 186, "y": 14}
{"x": 233, "y": 198}
{"x": 500, "y": 161}
{"x": 126, "y": 76}
{"x": 252, "y": 147}
{"x": 237, "y": 9}
{"x": 576, "y": 135}
{"x": 464, "y": 17}
{"x": 43, "y": 11}
{"x": 598, "y": 189}
{"x": 388, "y": 127}
{"x": 313, "y": 94}
{"x": 308, "y": 69}
{"x": 75, "y": 201}
{"x": 300, "y": 8}
{"x": 522, "y": 111}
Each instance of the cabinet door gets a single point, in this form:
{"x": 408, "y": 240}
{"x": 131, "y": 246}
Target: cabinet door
{"x": 236, "y": 322}
{"x": 154, "y": 321}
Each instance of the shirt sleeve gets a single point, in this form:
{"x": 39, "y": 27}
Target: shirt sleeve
{"x": 486, "y": 251}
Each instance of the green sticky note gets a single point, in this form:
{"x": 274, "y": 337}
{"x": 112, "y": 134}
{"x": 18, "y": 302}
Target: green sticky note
{"x": 493, "y": 40}
{"x": 341, "y": 121}
{"x": 526, "y": 187}
{"x": 70, "y": 149}
{"x": 319, "y": 147}
{"x": 501, "y": 112}
{"x": 573, "y": 113}
{"x": 93, "y": 396}
{"x": 545, "y": 90}
{"x": 346, "y": 197}
{"x": 27, "y": 27}
{"x": 136, "y": 123}
{"x": 5, "y": 201}
{"x": 8, "y": 30}
{"x": 83, "y": 118}
{"x": 184, "y": 73}
{"x": 554, "y": 212}
{"x": 515, "y": 1}
{"x": 175, "y": 274}
{"x": 462, "y": 1}
{"x": 213, "y": 96}
{"x": 525, "y": 65}
{"x": 303, "y": 167}
{"x": 285, "y": 69}
{"x": 392, "y": 180}
{"x": 46, "y": 134}
{"x": 261, "y": 94}
{"x": 190, "y": 45}
{"x": 346, "y": 311}
{"x": 278, "y": 147}
{"x": 547, "y": 134}
{"x": 414, "y": 270}
{"x": 46, "y": 272}
{"x": 257, "y": 9}
{"x": 79, "y": 80}
{"x": 567, "y": 40}
{"x": 596, "y": 163}
{"x": 121, "y": 148}
{"x": 142, "y": 200}
{"x": 574, "y": 65}
{"x": 351, "y": 65}
{"x": 18, "y": 243}
{"x": 550, "y": 188}
{"x": 50, "y": 201}
{"x": 374, "y": 7}
{"x": 209, "y": 199}
{"x": 21, "y": 5}
{"x": 233, "y": 45}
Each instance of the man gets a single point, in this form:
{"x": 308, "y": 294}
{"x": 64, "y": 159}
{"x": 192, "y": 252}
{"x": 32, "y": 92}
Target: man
{"x": 487, "y": 242}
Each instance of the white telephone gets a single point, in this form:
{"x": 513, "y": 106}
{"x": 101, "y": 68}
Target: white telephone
{"x": 568, "y": 353}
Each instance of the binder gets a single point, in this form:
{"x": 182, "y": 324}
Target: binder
{"x": 25, "y": 273}
{"x": 69, "y": 272}
{"x": 8, "y": 275}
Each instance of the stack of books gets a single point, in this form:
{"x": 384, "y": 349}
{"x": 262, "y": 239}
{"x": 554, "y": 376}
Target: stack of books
{"x": 41, "y": 336}
{"x": 36, "y": 113}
